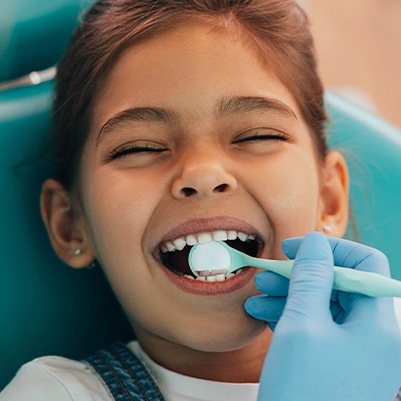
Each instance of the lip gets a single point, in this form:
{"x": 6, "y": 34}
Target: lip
{"x": 214, "y": 288}
{"x": 196, "y": 226}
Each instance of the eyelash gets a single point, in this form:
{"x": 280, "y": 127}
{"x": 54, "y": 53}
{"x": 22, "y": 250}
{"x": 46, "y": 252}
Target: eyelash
{"x": 259, "y": 136}
{"x": 134, "y": 148}
{"x": 151, "y": 148}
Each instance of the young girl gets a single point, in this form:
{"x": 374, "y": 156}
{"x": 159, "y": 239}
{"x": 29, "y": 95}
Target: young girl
{"x": 186, "y": 121}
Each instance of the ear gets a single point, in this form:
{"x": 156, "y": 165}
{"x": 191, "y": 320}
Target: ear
{"x": 334, "y": 208}
{"x": 64, "y": 226}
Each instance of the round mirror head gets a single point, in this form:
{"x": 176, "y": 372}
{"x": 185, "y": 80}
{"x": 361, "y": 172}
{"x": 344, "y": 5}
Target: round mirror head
{"x": 209, "y": 257}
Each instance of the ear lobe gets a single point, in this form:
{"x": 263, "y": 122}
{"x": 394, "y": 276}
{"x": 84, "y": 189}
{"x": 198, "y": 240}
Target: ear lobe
{"x": 64, "y": 227}
{"x": 334, "y": 208}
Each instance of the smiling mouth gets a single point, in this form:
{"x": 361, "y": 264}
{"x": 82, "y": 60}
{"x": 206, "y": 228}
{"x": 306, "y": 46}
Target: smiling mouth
{"x": 174, "y": 254}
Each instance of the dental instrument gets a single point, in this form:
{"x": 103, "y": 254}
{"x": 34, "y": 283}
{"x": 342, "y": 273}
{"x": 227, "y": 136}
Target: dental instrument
{"x": 217, "y": 255}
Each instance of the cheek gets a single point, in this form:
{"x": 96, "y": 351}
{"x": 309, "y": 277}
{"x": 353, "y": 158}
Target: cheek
{"x": 118, "y": 208}
{"x": 117, "y": 211}
{"x": 289, "y": 194}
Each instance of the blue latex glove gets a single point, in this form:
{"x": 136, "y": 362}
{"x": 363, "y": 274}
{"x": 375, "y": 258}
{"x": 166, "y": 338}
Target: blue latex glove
{"x": 328, "y": 345}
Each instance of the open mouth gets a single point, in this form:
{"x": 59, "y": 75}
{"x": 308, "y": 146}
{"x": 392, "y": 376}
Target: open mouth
{"x": 174, "y": 254}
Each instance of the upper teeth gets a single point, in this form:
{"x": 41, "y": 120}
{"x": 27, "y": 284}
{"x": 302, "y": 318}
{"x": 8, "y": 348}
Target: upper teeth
{"x": 203, "y": 238}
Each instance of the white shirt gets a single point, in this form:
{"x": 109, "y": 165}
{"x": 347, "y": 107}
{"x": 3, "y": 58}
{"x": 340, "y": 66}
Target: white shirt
{"x": 60, "y": 379}
{"x": 53, "y": 378}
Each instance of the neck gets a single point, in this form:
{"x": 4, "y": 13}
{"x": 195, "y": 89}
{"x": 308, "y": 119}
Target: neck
{"x": 238, "y": 366}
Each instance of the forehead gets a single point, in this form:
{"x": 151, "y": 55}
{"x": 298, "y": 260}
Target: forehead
{"x": 189, "y": 69}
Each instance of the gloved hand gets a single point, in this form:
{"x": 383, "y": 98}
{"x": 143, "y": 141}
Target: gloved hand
{"x": 349, "y": 352}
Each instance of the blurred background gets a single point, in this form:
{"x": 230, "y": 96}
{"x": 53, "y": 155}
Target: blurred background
{"x": 358, "y": 44}
{"x": 359, "y": 50}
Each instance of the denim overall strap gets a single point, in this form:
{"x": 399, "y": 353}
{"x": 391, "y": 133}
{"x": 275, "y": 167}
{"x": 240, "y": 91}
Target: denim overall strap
{"x": 124, "y": 375}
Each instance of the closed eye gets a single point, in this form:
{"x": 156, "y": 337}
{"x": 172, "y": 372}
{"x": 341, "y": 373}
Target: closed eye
{"x": 142, "y": 147}
{"x": 262, "y": 136}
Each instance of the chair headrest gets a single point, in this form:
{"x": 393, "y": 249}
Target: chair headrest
{"x": 34, "y": 34}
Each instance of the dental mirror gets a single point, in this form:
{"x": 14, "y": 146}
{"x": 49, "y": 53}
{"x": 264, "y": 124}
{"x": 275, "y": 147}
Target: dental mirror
{"x": 209, "y": 257}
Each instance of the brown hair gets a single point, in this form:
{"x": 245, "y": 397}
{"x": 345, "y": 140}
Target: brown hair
{"x": 278, "y": 28}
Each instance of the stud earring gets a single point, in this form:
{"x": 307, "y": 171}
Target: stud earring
{"x": 327, "y": 229}
{"x": 92, "y": 265}
{"x": 78, "y": 252}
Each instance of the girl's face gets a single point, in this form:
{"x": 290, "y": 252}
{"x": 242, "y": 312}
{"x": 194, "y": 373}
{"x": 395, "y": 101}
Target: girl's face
{"x": 193, "y": 137}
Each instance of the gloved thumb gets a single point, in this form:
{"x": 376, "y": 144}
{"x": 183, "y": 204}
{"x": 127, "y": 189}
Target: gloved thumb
{"x": 312, "y": 276}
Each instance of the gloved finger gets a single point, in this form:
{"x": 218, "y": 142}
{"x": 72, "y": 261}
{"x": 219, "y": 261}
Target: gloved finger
{"x": 272, "y": 284}
{"x": 311, "y": 280}
{"x": 275, "y": 306}
{"x": 346, "y": 254}
{"x": 362, "y": 257}
{"x": 265, "y": 308}
{"x": 365, "y": 310}
{"x": 337, "y": 312}
{"x": 353, "y": 255}
{"x": 290, "y": 246}
{"x": 334, "y": 296}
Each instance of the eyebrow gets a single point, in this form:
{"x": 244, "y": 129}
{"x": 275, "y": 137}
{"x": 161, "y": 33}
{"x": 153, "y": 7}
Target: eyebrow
{"x": 138, "y": 114}
{"x": 224, "y": 107}
{"x": 244, "y": 104}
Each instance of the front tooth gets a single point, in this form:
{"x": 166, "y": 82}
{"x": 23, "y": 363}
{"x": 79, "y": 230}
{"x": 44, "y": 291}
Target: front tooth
{"x": 242, "y": 236}
{"x": 204, "y": 238}
{"x": 179, "y": 243}
{"x": 170, "y": 246}
{"x": 190, "y": 240}
{"x": 232, "y": 235}
{"x": 220, "y": 236}
{"x": 216, "y": 272}
{"x": 220, "y": 277}
{"x": 211, "y": 278}
{"x": 200, "y": 278}
{"x": 203, "y": 273}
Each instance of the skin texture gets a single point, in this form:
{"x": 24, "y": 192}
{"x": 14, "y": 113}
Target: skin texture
{"x": 205, "y": 174}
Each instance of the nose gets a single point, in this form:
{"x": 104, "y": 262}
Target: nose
{"x": 203, "y": 175}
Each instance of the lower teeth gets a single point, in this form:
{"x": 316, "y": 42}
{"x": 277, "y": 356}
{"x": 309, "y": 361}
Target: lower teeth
{"x": 212, "y": 278}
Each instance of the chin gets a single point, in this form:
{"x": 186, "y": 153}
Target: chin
{"x": 226, "y": 338}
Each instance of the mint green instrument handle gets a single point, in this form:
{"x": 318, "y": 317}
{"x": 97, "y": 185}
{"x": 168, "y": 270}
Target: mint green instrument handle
{"x": 345, "y": 279}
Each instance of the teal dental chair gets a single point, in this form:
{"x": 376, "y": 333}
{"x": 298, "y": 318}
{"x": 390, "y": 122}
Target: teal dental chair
{"x": 48, "y": 308}
{"x": 33, "y": 36}
{"x": 372, "y": 148}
